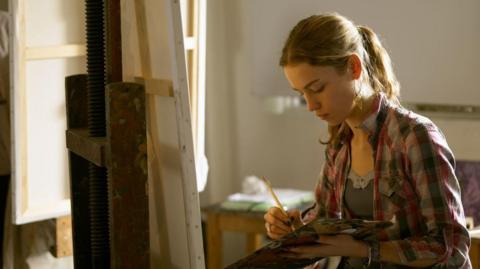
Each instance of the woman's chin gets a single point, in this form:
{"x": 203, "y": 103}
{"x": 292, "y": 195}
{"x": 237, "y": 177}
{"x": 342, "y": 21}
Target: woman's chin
{"x": 332, "y": 122}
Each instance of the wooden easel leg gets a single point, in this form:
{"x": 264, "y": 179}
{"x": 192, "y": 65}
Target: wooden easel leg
{"x": 475, "y": 254}
{"x": 128, "y": 175}
{"x": 214, "y": 243}
{"x": 63, "y": 237}
{"x": 254, "y": 242}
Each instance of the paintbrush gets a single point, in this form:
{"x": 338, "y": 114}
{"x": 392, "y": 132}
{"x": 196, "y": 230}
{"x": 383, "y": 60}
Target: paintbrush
{"x": 279, "y": 205}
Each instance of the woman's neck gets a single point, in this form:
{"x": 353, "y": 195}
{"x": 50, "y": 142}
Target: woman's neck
{"x": 359, "y": 113}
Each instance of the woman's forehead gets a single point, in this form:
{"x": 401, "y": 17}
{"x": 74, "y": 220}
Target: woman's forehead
{"x": 302, "y": 74}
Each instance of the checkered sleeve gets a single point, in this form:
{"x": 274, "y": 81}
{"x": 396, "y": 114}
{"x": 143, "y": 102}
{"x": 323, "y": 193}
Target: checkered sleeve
{"x": 431, "y": 166}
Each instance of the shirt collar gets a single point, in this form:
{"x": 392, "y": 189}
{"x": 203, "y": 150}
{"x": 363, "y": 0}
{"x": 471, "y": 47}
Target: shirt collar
{"x": 376, "y": 116}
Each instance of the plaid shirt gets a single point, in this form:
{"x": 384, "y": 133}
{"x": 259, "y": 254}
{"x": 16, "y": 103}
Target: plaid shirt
{"x": 414, "y": 187}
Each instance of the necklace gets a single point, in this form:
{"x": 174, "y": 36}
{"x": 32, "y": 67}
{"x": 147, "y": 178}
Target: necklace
{"x": 359, "y": 182}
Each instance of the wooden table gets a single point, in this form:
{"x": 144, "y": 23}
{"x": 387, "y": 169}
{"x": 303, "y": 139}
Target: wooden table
{"x": 220, "y": 220}
{"x": 475, "y": 248}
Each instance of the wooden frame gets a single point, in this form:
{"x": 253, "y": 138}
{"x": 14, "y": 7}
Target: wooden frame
{"x": 38, "y": 69}
{"x": 153, "y": 52}
{"x": 185, "y": 139}
{"x": 63, "y": 237}
{"x": 195, "y": 46}
{"x": 65, "y": 51}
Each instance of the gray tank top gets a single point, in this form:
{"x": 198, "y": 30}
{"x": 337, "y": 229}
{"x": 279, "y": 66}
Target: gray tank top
{"x": 358, "y": 198}
{"x": 358, "y": 195}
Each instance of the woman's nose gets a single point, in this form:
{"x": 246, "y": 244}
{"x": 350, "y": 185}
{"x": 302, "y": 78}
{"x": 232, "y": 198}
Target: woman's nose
{"x": 312, "y": 104}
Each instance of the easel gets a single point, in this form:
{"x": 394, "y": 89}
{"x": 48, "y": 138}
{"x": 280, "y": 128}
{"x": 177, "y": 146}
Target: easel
{"x": 124, "y": 234}
{"x": 166, "y": 160}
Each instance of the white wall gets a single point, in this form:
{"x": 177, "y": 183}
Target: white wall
{"x": 422, "y": 38}
{"x": 243, "y": 138}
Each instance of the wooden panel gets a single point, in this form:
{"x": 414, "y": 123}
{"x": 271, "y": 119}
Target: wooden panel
{"x": 214, "y": 242}
{"x": 63, "y": 237}
{"x": 254, "y": 242}
{"x": 218, "y": 221}
{"x": 241, "y": 223}
{"x": 128, "y": 211}
{"x": 90, "y": 148}
{"x": 475, "y": 253}
{"x": 153, "y": 49}
{"x": 158, "y": 87}
{"x": 475, "y": 248}
{"x": 65, "y": 51}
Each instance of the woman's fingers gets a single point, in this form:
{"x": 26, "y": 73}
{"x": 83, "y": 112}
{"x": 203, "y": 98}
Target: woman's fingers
{"x": 276, "y": 217}
{"x": 295, "y": 217}
{"x": 273, "y": 234}
{"x": 277, "y": 224}
{"x": 278, "y": 213}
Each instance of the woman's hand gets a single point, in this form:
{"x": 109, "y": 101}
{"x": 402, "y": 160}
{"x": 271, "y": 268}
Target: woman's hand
{"x": 278, "y": 225}
{"x": 332, "y": 245}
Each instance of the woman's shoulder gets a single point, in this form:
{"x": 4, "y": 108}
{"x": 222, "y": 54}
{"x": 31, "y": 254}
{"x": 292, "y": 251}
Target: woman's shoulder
{"x": 404, "y": 123}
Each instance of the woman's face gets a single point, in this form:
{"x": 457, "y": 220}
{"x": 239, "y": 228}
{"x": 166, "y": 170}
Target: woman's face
{"x": 327, "y": 93}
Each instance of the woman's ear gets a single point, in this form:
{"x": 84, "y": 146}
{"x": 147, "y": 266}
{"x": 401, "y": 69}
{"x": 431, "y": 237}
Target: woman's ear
{"x": 355, "y": 65}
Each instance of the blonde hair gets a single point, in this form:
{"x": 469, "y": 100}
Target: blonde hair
{"x": 329, "y": 40}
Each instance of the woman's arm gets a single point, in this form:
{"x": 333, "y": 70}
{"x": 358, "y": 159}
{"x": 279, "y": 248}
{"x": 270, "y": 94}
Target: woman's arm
{"x": 347, "y": 246}
{"x": 390, "y": 253}
{"x": 430, "y": 165}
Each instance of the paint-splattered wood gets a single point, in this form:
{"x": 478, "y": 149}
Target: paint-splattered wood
{"x": 90, "y": 148}
{"x": 128, "y": 176}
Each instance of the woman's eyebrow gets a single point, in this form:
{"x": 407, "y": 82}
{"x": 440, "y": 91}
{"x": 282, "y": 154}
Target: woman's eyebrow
{"x": 307, "y": 85}
{"x": 310, "y": 83}
{"x": 299, "y": 91}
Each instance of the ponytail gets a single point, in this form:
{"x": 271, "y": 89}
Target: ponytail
{"x": 378, "y": 65}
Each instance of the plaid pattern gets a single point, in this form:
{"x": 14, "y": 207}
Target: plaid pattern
{"x": 414, "y": 187}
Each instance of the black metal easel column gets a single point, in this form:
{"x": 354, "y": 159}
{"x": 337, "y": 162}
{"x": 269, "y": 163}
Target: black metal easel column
{"x": 98, "y": 185}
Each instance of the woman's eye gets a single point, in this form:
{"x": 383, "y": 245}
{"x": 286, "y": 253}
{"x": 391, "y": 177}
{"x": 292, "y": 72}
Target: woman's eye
{"x": 319, "y": 89}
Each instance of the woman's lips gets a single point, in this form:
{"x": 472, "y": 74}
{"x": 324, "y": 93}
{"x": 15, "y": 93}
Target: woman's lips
{"x": 322, "y": 116}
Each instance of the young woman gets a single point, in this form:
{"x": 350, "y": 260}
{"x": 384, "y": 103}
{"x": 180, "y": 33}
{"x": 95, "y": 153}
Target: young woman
{"x": 382, "y": 162}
